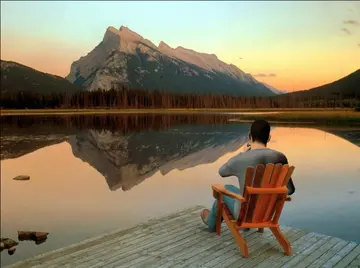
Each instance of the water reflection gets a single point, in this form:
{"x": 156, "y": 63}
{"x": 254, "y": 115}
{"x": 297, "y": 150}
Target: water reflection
{"x": 351, "y": 135}
{"x": 172, "y": 167}
{"x": 21, "y": 135}
{"x": 127, "y": 160}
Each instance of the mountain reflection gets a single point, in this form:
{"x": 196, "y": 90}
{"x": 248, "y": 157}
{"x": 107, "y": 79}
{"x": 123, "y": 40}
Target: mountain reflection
{"x": 125, "y": 160}
{"x": 21, "y": 135}
{"x": 127, "y": 149}
{"x": 351, "y": 135}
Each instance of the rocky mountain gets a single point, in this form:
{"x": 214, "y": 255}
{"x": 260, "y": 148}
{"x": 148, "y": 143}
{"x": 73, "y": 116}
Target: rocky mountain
{"x": 16, "y": 77}
{"x": 126, "y": 160}
{"x": 124, "y": 58}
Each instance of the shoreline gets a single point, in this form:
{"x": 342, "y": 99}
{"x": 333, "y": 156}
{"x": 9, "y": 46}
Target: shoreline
{"x": 307, "y": 116}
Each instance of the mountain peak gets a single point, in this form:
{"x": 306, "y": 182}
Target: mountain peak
{"x": 112, "y": 29}
{"x": 124, "y": 28}
{"x": 127, "y": 32}
{"x": 124, "y": 33}
{"x": 162, "y": 44}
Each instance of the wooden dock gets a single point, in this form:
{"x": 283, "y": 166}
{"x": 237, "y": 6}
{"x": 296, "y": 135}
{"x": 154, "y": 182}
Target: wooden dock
{"x": 182, "y": 240}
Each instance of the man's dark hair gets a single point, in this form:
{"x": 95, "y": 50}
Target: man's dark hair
{"x": 260, "y": 131}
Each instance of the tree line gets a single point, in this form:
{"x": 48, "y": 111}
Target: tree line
{"x": 124, "y": 123}
{"x": 144, "y": 99}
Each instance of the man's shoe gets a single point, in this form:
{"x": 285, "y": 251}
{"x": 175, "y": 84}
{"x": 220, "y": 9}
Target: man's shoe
{"x": 204, "y": 215}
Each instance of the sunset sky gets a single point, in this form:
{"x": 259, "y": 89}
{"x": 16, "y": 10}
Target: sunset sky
{"x": 289, "y": 45}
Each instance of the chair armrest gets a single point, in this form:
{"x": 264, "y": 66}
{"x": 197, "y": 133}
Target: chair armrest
{"x": 288, "y": 198}
{"x": 220, "y": 188}
{"x": 277, "y": 190}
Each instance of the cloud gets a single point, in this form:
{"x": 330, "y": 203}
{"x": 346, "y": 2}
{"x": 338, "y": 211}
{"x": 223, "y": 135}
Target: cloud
{"x": 351, "y": 22}
{"x": 346, "y": 31}
{"x": 264, "y": 75}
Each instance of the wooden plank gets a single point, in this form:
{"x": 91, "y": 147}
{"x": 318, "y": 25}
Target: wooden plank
{"x": 265, "y": 242}
{"x": 170, "y": 259}
{"x": 189, "y": 246}
{"x": 279, "y": 205}
{"x": 299, "y": 245}
{"x": 249, "y": 175}
{"x": 213, "y": 258}
{"x": 262, "y": 199}
{"x": 327, "y": 255}
{"x": 195, "y": 250}
{"x": 261, "y": 248}
{"x": 276, "y": 250}
{"x": 341, "y": 254}
{"x": 318, "y": 252}
{"x": 272, "y": 254}
{"x": 105, "y": 237}
{"x": 229, "y": 247}
{"x": 269, "y": 211}
{"x": 252, "y": 199}
{"x": 181, "y": 256}
{"x": 99, "y": 250}
{"x": 355, "y": 262}
{"x": 168, "y": 254}
{"x": 347, "y": 260}
{"x": 153, "y": 251}
{"x": 235, "y": 254}
{"x": 293, "y": 260}
{"x": 218, "y": 251}
{"x": 112, "y": 254}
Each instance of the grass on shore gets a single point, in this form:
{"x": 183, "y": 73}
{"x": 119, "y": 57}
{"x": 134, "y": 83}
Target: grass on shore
{"x": 328, "y": 116}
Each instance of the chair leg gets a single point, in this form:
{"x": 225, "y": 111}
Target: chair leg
{"x": 239, "y": 240}
{"x": 282, "y": 240}
{"x": 235, "y": 232}
{"x": 219, "y": 216}
{"x": 261, "y": 230}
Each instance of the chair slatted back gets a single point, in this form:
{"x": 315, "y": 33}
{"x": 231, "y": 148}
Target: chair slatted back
{"x": 263, "y": 205}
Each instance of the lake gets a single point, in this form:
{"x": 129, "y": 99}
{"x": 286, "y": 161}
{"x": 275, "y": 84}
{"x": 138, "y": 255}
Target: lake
{"x": 95, "y": 174}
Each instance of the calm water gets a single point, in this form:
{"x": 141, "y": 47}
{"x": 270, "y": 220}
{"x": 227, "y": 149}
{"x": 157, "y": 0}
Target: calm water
{"x": 90, "y": 175}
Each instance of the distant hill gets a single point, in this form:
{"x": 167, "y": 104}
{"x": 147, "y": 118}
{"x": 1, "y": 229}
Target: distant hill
{"x": 346, "y": 86}
{"x": 124, "y": 58}
{"x": 16, "y": 77}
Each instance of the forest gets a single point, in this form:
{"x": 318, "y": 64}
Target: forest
{"x": 144, "y": 99}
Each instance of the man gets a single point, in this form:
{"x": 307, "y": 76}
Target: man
{"x": 254, "y": 154}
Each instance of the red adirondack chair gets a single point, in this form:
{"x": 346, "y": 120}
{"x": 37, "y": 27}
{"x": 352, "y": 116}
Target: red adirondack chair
{"x": 264, "y": 195}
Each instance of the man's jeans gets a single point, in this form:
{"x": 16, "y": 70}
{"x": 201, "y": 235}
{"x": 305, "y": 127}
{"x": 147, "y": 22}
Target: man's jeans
{"x": 230, "y": 203}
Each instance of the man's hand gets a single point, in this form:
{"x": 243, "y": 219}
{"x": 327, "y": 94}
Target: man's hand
{"x": 247, "y": 147}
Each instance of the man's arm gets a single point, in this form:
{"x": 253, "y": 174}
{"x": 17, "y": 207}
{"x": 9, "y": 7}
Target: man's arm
{"x": 231, "y": 167}
{"x": 225, "y": 170}
{"x": 290, "y": 185}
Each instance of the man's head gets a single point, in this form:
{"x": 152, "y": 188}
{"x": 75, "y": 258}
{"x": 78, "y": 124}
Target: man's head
{"x": 260, "y": 132}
